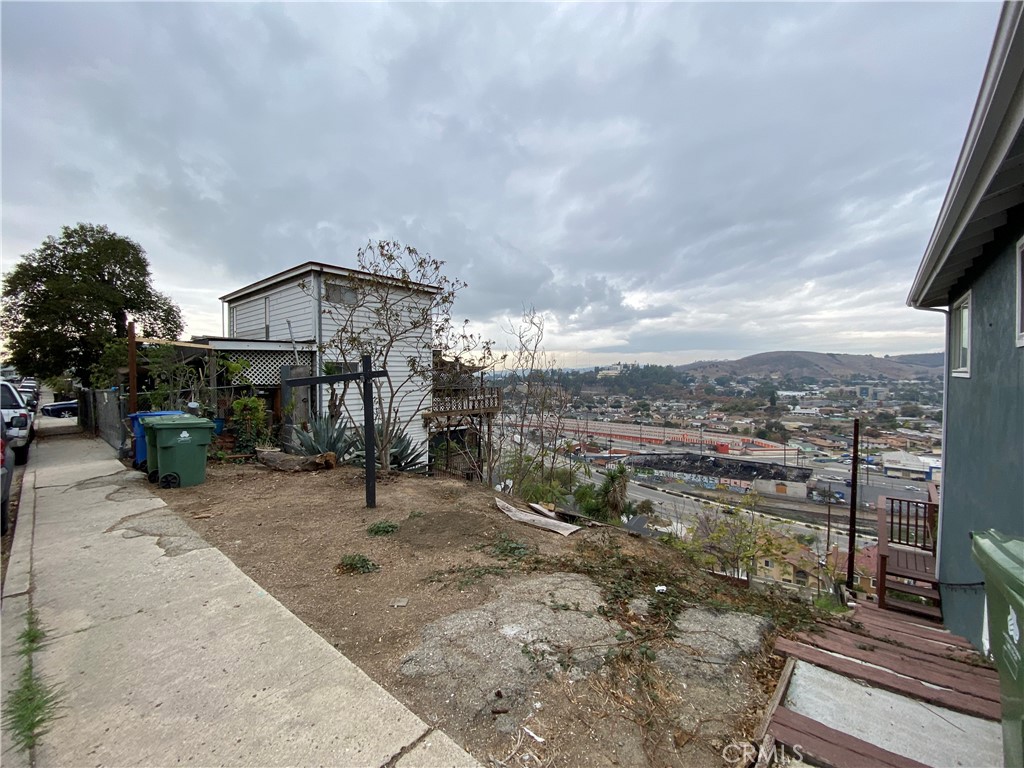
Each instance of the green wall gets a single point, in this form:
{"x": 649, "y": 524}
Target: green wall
{"x": 983, "y": 465}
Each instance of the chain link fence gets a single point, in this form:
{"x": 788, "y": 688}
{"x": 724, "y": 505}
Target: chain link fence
{"x": 103, "y": 413}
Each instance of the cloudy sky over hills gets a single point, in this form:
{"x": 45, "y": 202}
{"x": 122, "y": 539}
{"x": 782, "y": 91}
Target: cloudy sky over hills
{"x": 665, "y": 182}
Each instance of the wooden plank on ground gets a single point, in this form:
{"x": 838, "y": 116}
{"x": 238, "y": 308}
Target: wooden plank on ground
{"x": 907, "y": 651}
{"x": 917, "y": 610}
{"x": 536, "y": 520}
{"x": 870, "y": 613}
{"x": 936, "y": 648}
{"x": 893, "y": 659}
{"x": 777, "y": 697}
{"x": 827, "y": 745}
{"x": 882, "y": 678}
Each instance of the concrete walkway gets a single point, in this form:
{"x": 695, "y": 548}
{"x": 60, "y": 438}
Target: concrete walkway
{"x": 165, "y": 652}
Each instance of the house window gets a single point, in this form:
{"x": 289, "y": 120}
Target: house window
{"x": 338, "y": 293}
{"x": 960, "y": 337}
{"x": 767, "y": 563}
{"x": 338, "y": 367}
{"x": 1020, "y": 293}
{"x": 874, "y": 582}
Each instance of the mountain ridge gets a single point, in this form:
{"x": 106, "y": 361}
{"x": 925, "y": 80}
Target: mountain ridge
{"x": 822, "y": 365}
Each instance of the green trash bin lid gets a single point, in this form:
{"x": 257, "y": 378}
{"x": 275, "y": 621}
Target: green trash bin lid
{"x": 1001, "y": 558}
{"x": 185, "y": 418}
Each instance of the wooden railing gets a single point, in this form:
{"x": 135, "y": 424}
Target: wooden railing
{"x": 467, "y": 401}
{"x": 908, "y": 523}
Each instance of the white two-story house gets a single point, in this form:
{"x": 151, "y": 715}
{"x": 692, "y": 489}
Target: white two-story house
{"x": 345, "y": 312}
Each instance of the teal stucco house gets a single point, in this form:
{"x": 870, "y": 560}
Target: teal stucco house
{"x": 973, "y": 272}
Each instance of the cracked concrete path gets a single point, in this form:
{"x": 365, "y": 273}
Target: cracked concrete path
{"x": 166, "y": 653}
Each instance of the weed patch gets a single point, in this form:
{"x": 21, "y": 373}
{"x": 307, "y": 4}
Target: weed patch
{"x": 382, "y": 528}
{"x": 467, "y": 575}
{"x": 357, "y": 564}
{"x": 33, "y": 703}
{"x": 508, "y": 548}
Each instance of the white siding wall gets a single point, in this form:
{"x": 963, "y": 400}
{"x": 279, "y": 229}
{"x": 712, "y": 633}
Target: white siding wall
{"x": 411, "y": 399}
{"x": 247, "y": 319}
{"x": 292, "y": 303}
{"x": 250, "y": 316}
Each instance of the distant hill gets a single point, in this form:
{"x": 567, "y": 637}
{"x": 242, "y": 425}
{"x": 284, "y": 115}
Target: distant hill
{"x": 821, "y": 365}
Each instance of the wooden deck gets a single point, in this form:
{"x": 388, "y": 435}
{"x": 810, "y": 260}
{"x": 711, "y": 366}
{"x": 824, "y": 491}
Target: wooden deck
{"x": 910, "y": 656}
{"x": 906, "y": 557}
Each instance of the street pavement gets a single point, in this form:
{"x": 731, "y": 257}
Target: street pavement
{"x": 164, "y": 652}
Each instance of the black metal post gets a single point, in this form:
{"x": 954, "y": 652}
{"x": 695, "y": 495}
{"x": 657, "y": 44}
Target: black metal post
{"x": 853, "y": 506}
{"x": 370, "y": 436}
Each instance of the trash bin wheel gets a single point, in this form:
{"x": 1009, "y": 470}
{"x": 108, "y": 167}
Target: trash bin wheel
{"x": 153, "y": 476}
{"x": 142, "y": 466}
{"x": 170, "y": 481}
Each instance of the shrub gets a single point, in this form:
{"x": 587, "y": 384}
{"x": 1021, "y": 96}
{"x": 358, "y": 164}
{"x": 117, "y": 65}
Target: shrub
{"x": 405, "y": 456}
{"x": 325, "y": 435}
{"x": 250, "y": 420}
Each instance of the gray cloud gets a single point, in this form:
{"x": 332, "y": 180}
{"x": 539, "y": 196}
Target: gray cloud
{"x": 662, "y": 181}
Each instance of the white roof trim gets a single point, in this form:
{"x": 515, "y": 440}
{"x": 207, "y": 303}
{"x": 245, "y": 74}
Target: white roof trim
{"x": 997, "y": 119}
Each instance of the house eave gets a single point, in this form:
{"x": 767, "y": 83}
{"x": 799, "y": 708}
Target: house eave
{"x": 989, "y": 176}
{"x": 226, "y": 344}
{"x": 309, "y": 268}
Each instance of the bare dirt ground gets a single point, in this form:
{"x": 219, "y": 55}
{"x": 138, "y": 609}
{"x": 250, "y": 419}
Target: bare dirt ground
{"x": 526, "y": 647}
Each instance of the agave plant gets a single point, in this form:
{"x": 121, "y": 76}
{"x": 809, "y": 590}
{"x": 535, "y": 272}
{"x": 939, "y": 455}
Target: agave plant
{"x": 405, "y": 456}
{"x": 325, "y": 434}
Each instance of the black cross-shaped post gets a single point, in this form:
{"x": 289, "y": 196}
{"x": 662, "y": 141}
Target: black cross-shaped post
{"x": 369, "y": 429}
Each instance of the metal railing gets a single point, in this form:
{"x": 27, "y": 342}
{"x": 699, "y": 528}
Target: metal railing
{"x": 908, "y": 523}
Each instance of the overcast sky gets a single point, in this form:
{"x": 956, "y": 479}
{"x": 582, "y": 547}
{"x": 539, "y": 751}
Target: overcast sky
{"x": 665, "y": 182}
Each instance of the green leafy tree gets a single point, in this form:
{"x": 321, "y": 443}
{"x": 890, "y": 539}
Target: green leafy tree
{"x": 731, "y": 539}
{"x": 609, "y": 501}
{"x": 71, "y": 296}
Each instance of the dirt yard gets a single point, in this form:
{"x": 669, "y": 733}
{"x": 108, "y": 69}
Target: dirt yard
{"x": 526, "y": 647}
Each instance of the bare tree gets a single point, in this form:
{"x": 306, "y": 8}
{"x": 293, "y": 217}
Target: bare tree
{"x": 397, "y": 311}
{"x": 537, "y": 404}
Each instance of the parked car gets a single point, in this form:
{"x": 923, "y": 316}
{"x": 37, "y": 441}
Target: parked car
{"x": 67, "y": 409}
{"x": 19, "y": 421}
{"x": 30, "y": 396}
{"x": 6, "y": 473}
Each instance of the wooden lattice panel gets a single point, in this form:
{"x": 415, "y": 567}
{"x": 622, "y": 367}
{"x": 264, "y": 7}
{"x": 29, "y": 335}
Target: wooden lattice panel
{"x": 265, "y": 367}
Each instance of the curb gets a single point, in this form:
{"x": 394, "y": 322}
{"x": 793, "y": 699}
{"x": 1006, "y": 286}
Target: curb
{"x": 19, "y": 568}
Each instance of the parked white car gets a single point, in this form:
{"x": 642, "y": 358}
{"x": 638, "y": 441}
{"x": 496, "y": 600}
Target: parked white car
{"x": 19, "y": 422}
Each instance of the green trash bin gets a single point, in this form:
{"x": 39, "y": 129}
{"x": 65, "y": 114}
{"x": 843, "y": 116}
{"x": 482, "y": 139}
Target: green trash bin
{"x": 1002, "y": 560}
{"x": 147, "y": 438}
{"x": 181, "y": 449}
{"x": 152, "y": 454}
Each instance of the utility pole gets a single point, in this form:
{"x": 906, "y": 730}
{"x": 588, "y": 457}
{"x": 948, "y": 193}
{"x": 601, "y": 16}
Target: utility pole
{"x": 133, "y": 385}
{"x": 853, "y": 505}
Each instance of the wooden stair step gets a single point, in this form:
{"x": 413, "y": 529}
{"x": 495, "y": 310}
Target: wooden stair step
{"x": 892, "y": 569}
{"x": 913, "y": 589}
